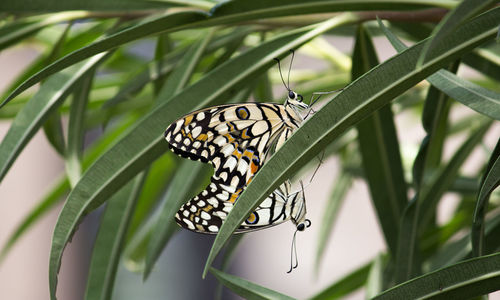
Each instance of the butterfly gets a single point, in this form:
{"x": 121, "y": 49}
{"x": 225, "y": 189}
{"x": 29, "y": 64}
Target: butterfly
{"x": 236, "y": 139}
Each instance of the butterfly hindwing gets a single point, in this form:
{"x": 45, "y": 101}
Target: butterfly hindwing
{"x": 207, "y": 211}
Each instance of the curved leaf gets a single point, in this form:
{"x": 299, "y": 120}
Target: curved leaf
{"x": 144, "y": 143}
{"x": 465, "y": 10}
{"x": 465, "y": 280}
{"x": 50, "y": 96}
{"x": 177, "y": 194}
{"x": 378, "y": 143}
{"x": 357, "y": 101}
{"x": 247, "y": 289}
{"x": 110, "y": 240}
{"x": 482, "y": 100}
{"x": 346, "y": 284}
{"x": 226, "y": 13}
{"x": 490, "y": 182}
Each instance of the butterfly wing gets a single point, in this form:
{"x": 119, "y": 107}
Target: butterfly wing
{"x": 207, "y": 211}
{"x": 235, "y": 139}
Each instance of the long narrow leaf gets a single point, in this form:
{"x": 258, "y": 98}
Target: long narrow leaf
{"x": 465, "y": 10}
{"x": 247, "y": 289}
{"x": 110, "y": 239}
{"x": 357, "y": 101}
{"x": 379, "y": 148}
{"x": 50, "y": 96}
{"x": 482, "y": 100}
{"x": 490, "y": 182}
{"x": 177, "y": 194}
{"x": 346, "y": 284}
{"x": 76, "y": 130}
{"x": 226, "y": 13}
{"x": 144, "y": 143}
{"x": 465, "y": 280}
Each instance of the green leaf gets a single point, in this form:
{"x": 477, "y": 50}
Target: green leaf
{"x": 144, "y": 142}
{"x": 52, "y": 128}
{"x": 246, "y": 289}
{"x": 357, "y": 101}
{"x": 159, "y": 176}
{"x": 50, "y": 96}
{"x": 379, "y": 148}
{"x": 174, "y": 20}
{"x": 110, "y": 240}
{"x": 184, "y": 69}
{"x": 76, "y": 130}
{"x": 177, "y": 194}
{"x": 17, "y": 31}
{"x": 346, "y": 285}
{"x": 420, "y": 211}
{"x": 471, "y": 278}
{"x": 62, "y": 186}
{"x": 26, "y": 6}
{"x": 489, "y": 183}
{"x": 340, "y": 188}
{"x": 465, "y": 10}
{"x": 375, "y": 280}
{"x": 229, "y": 12}
{"x": 482, "y": 100}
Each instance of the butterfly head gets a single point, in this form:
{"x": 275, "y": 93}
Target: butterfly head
{"x": 295, "y": 100}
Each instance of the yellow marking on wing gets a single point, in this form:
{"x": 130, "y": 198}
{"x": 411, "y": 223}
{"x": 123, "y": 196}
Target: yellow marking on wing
{"x": 251, "y": 218}
{"x": 253, "y": 167}
{"x": 244, "y": 134}
{"x": 237, "y": 153}
{"x": 188, "y": 120}
{"x": 202, "y": 137}
{"x": 230, "y": 139}
{"x": 200, "y": 228}
{"x": 208, "y": 208}
{"x": 235, "y": 195}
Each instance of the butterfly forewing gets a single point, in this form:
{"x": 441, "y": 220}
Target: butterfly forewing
{"x": 236, "y": 140}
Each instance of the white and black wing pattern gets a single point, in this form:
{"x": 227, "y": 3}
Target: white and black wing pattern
{"x": 207, "y": 211}
{"x": 236, "y": 139}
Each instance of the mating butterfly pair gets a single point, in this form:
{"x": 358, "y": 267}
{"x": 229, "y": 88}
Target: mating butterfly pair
{"x": 236, "y": 139}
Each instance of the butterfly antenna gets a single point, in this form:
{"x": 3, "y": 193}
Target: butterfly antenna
{"x": 281, "y": 74}
{"x": 293, "y": 249}
{"x": 290, "y": 68}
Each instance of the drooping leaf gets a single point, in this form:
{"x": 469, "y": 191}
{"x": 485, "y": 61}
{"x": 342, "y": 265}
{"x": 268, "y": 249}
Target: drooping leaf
{"x": 50, "y": 96}
{"x": 144, "y": 143}
{"x": 358, "y": 100}
{"x": 247, "y": 289}
{"x": 110, "y": 240}
{"x": 379, "y": 148}
{"x": 489, "y": 183}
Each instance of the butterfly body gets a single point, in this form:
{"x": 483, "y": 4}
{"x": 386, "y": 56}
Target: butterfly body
{"x": 236, "y": 139}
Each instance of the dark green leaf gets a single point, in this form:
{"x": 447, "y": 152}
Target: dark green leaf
{"x": 76, "y": 130}
{"x": 247, "y": 289}
{"x": 489, "y": 182}
{"x": 50, "y": 96}
{"x": 474, "y": 277}
{"x": 110, "y": 240}
{"x": 379, "y": 148}
{"x": 345, "y": 285}
{"x": 177, "y": 194}
{"x": 144, "y": 143}
{"x": 357, "y": 101}
{"x": 465, "y": 10}
{"x": 473, "y": 96}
